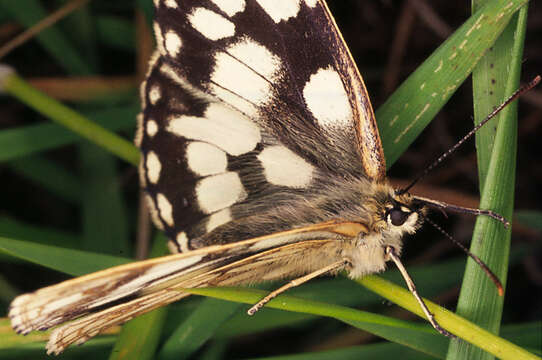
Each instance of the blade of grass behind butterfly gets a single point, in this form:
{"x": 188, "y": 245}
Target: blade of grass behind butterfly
{"x": 30, "y": 12}
{"x": 14, "y": 85}
{"x": 499, "y": 76}
{"x": 31, "y": 139}
{"x": 115, "y": 32}
{"x": 416, "y": 102}
{"x": 14, "y": 229}
{"x": 50, "y": 175}
{"x": 434, "y": 279}
{"x": 95, "y": 348}
{"x": 368, "y": 351}
{"x": 403, "y": 332}
{"x": 199, "y": 327}
{"x": 104, "y": 214}
{"x": 69, "y": 261}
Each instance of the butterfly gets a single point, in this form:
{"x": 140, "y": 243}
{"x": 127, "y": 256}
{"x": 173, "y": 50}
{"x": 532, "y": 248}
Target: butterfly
{"x": 260, "y": 159}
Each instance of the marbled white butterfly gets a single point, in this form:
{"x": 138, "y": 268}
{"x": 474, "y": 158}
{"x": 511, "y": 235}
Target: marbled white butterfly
{"x": 261, "y": 160}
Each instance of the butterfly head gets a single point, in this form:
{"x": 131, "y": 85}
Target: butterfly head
{"x": 403, "y": 214}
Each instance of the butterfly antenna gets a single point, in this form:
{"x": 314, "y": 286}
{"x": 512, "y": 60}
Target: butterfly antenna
{"x": 476, "y": 259}
{"x": 441, "y": 158}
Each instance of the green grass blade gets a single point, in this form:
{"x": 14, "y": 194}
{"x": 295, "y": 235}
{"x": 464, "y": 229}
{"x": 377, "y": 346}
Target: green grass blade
{"x": 30, "y": 12}
{"x": 79, "y": 27}
{"x": 16, "y": 86}
{"x": 467, "y": 331}
{"x": 10, "y": 228}
{"x": 215, "y": 351}
{"x": 384, "y": 326}
{"x": 426, "y": 339}
{"x": 14, "y": 346}
{"x": 390, "y": 350}
{"x": 73, "y": 262}
{"x": 140, "y": 337}
{"x": 197, "y": 328}
{"x": 411, "y": 107}
{"x": 433, "y": 279}
{"x": 104, "y": 216}
{"x": 29, "y": 140}
{"x": 116, "y": 32}
{"x": 369, "y": 351}
{"x": 478, "y": 300}
{"x": 50, "y": 175}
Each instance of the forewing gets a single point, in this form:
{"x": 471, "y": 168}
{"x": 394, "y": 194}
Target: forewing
{"x": 245, "y": 100}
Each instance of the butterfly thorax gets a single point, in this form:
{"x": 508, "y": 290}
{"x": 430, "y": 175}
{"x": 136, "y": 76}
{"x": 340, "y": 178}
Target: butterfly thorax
{"x": 360, "y": 201}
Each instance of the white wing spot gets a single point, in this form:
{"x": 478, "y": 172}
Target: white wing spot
{"x": 219, "y": 191}
{"x": 283, "y": 167}
{"x": 165, "y": 209}
{"x": 234, "y": 101}
{"x": 217, "y": 219}
{"x": 171, "y": 3}
{"x": 210, "y": 24}
{"x": 155, "y": 94}
{"x": 280, "y": 10}
{"x": 173, "y": 43}
{"x": 182, "y": 240}
{"x": 221, "y": 126}
{"x": 246, "y": 69}
{"x": 172, "y": 247}
{"x": 152, "y": 128}
{"x": 256, "y": 56}
{"x": 205, "y": 159}
{"x": 230, "y": 7}
{"x": 327, "y": 99}
{"x": 311, "y": 3}
{"x": 153, "y": 167}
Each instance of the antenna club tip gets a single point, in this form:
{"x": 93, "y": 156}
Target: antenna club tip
{"x": 500, "y": 290}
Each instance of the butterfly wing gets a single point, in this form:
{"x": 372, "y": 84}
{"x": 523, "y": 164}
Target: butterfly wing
{"x": 248, "y": 106}
{"x": 111, "y": 297}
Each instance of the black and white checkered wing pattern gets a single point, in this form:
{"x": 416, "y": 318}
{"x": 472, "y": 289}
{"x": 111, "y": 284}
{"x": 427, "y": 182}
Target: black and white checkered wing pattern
{"x": 248, "y": 104}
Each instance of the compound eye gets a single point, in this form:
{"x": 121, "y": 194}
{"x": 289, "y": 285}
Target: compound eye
{"x": 398, "y": 217}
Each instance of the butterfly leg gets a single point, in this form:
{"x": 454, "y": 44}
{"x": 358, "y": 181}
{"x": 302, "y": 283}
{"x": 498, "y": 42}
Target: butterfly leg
{"x": 296, "y": 282}
{"x": 390, "y": 251}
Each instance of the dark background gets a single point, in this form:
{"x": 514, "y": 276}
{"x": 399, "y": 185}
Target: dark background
{"x": 388, "y": 40}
